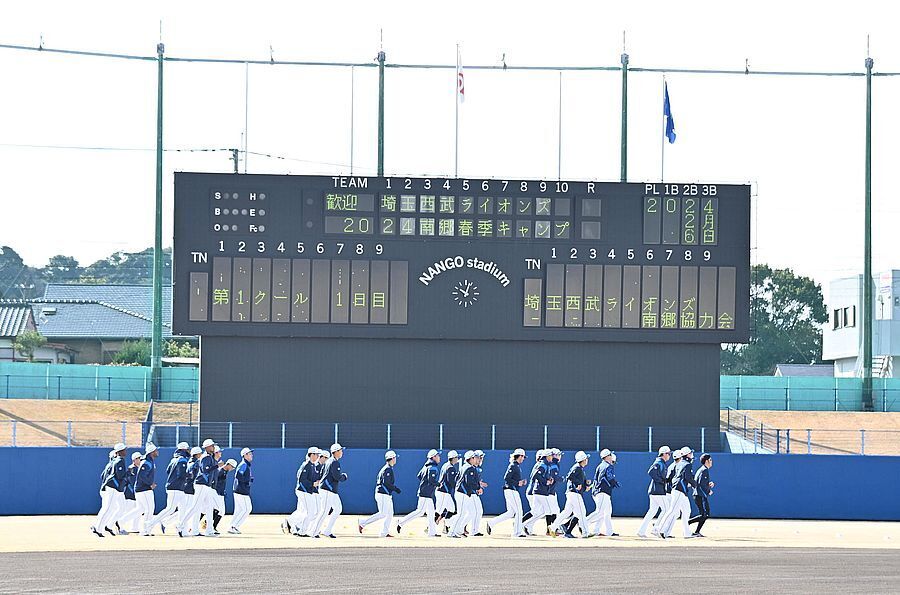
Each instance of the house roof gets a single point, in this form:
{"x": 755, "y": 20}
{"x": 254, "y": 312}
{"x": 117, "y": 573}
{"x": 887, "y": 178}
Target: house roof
{"x": 804, "y": 370}
{"x": 137, "y": 299}
{"x": 15, "y": 317}
{"x": 100, "y": 311}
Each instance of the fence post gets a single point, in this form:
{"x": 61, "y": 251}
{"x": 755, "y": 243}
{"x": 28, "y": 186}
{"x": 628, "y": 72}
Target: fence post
{"x": 788, "y": 431}
{"x": 493, "y": 437}
{"x": 58, "y": 387}
{"x": 124, "y": 432}
{"x": 68, "y": 433}
{"x": 7, "y": 386}
{"x": 649, "y": 438}
{"x": 728, "y": 419}
{"x": 745, "y": 426}
{"x": 335, "y": 433}
{"x": 598, "y": 438}
{"x": 230, "y": 433}
{"x": 109, "y": 388}
{"x": 389, "y": 436}
{"x": 703, "y": 439}
{"x": 835, "y": 398}
{"x": 737, "y": 401}
{"x": 13, "y": 432}
{"x": 441, "y": 438}
{"x": 884, "y": 397}
{"x": 754, "y": 441}
{"x": 862, "y": 442}
{"x": 177, "y": 432}
{"x": 809, "y": 442}
{"x": 777, "y": 441}
{"x": 787, "y": 398}
{"x": 545, "y": 437}
{"x": 282, "y": 434}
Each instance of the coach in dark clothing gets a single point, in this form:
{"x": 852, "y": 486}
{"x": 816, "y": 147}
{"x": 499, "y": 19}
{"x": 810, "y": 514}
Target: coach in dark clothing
{"x": 702, "y": 492}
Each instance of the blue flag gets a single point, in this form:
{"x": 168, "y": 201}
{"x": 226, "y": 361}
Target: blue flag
{"x": 667, "y": 114}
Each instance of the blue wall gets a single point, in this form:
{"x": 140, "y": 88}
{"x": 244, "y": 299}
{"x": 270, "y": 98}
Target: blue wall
{"x": 64, "y": 481}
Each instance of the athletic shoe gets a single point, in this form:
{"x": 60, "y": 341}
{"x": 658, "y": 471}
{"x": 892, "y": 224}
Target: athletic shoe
{"x": 398, "y": 528}
{"x": 332, "y": 535}
{"x": 643, "y": 535}
{"x": 489, "y": 528}
{"x": 286, "y": 527}
{"x": 454, "y": 536}
{"x": 163, "y": 527}
{"x": 478, "y": 535}
{"x": 359, "y": 527}
{"x": 110, "y": 531}
{"x": 95, "y": 532}
{"x": 697, "y": 534}
{"x": 234, "y": 531}
{"x": 210, "y": 534}
{"x": 662, "y": 535}
{"x": 118, "y": 528}
{"x": 388, "y": 535}
{"x": 568, "y": 536}
{"x": 123, "y": 532}
{"x": 614, "y": 535}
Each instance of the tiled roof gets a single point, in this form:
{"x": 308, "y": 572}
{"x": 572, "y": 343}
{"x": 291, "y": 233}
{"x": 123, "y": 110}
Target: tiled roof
{"x": 806, "y": 370}
{"x": 61, "y": 319}
{"x": 15, "y": 317}
{"x": 137, "y": 299}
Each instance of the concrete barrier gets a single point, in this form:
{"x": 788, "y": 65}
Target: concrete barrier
{"x": 65, "y": 481}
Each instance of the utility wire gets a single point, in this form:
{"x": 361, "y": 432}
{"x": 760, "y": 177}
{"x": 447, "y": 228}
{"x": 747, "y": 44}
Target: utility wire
{"x": 587, "y": 68}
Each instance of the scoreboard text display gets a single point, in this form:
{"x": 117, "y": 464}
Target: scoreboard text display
{"x": 461, "y": 301}
{"x": 434, "y": 258}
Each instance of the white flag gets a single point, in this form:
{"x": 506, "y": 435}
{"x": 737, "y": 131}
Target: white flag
{"x": 460, "y": 80}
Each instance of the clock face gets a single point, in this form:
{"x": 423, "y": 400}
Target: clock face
{"x": 465, "y": 293}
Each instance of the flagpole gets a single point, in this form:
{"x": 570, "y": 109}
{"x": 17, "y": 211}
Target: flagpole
{"x": 456, "y": 123}
{"x": 662, "y": 138}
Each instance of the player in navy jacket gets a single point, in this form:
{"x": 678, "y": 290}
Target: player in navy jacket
{"x": 243, "y": 480}
{"x": 604, "y": 482}
{"x": 429, "y": 478}
{"x": 303, "y": 520}
{"x": 656, "y": 490}
{"x": 576, "y": 485}
{"x": 332, "y": 476}
{"x": 512, "y": 486}
{"x": 445, "y": 506}
{"x": 384, "y": 490}
{"x": 702, "y": 491}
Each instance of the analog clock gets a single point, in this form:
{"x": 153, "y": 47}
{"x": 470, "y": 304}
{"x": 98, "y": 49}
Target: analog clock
{"x": 465, "y": 293}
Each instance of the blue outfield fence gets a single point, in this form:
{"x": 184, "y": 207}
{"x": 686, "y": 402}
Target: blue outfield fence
{"x": 747, "y": 486}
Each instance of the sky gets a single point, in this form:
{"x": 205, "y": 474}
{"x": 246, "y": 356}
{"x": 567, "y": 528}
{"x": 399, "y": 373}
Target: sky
{"x": 798, "y": 141}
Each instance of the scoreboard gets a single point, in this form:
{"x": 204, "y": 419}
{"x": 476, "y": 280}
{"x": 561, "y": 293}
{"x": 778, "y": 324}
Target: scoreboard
{"x": 469, "y": 259}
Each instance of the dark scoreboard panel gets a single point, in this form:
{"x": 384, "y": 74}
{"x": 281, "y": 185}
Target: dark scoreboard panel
{"x": 433, "y": 258}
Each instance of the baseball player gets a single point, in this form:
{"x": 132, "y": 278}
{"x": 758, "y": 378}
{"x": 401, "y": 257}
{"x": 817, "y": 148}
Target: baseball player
{"x": 243, "y": 478}
{"x": 204, "y": 496}
{"x": 429, "y": 477}
{"x": 385, "y": 488}
{"x": 702, "y": 491}
{"x": 190, "y": 494}
{"x": 512, "y": 484}
{"x": 682, "y": 481}
{"x": 175, "y": 479}
{"x": 529, "y": 491}
{"x": 130, "y": 512}
{"x": 656, "y": 490}
{"x": 307, "y": 491}
{"x": 556, "y": 474}
{"x": 331, "y": 478}
{"x": 604, "y": 483}
{"x": 476, "y": 501}
{"x": 321, "y": 496}
{"x": 576, "y": 485}
{"x": 218, "y": 485}
{"x": 467, "y": 486}
{"x": 112, "y": 487}
{"x": 144, "y": 484}
{"x": 444, "y": 506}
{"x": 542, "y": 492}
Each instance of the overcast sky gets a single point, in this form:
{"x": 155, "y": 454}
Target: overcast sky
{"x": 799, "y": 141}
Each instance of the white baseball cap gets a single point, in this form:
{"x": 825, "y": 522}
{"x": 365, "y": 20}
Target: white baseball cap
{"x": 336, "y": 447}
{"x": 479, "y": 453}
{"x": 581, "y": 456}
{"x": 245, "y": 451}
{"x": 135, "y": 455}
{"x": 555, "y": 451}
{"x": 151, "y": 448}
{"x": 324, "y": 453}
{"x": 664, "y": 450}
{"x": 112, "y": 453}
{"x": 119, "y": 446}
{"x": 469, "y": 454}
{"x": 196, "y": 450}
{"x": 686, "y": 451}
{"x": 183, "y": 446}
{"x": 217, "y": 448}
{"x": 452, "y": 455}
{"x": 676, "y": 454}
{"x": 390, "y": 455}
{"x": 208, "y": 442}
{"x": 540, "y": 454}
{"x": 519, "y": 452}
{"x": 433, "y": 453}
{"x": 231, "y": 462}
{"x": 312, "y": 450}
{"x": 605, "y": 453}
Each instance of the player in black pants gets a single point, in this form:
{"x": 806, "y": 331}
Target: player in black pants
{"x": 702, "y": 492}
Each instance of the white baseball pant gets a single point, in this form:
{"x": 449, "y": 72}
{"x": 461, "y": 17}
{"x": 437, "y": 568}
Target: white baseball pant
{"x": 574, "y": 507}
{"x": 385, "y": 511}
{"x": 242, "y": 508}
{"x": 540, "y": 507}
{"x": 513, "y": 511}
{"x": 175, "y": 502}
{"x": 306, "y": 514}
{"x": 112, "y": 503}
{"x": 147, "y": 505}
{"x": 658, "y": 504}
{"x": 332, "y": 502}
{"x": 600, "y": 521}
{"x": 424, "y": 506}
{"x": 681, "y": 505}
{"x": 466, "y": 512}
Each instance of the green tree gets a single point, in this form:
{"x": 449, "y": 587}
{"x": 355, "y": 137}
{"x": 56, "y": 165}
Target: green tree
{"x": 176, "y": 349}
{"x": 17, "y": 280}
{"x": 61, "y": 269}
{"x": 135, "y": 353}
{"x": 27, "y": 342}
{"x": 122, "y": 268}
{"x": 786, "y": 311}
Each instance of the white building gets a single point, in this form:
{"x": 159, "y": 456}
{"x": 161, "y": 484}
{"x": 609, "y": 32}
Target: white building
{"x": 842, "y": 334}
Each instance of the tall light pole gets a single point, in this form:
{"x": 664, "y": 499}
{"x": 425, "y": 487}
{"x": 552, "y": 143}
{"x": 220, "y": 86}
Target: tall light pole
{"x": 156, "y": 341}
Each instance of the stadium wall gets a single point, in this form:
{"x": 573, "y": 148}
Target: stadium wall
{"x": 65, "y": 481}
